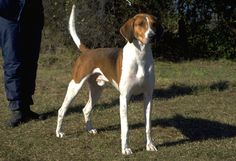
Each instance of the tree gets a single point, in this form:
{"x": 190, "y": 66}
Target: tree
{"x": 194, "y": 28}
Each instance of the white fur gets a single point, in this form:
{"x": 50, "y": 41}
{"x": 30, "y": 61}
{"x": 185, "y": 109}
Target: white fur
{"x": 72, "y": 91}
{"x": 72, "y": 28}
{"x": 101, "y": 79}
{"x": 149, "y": 33}
{"x": 137, "y": 77}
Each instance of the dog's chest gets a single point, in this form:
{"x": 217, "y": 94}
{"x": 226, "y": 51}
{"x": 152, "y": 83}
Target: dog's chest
{"x": 137, "y": 69}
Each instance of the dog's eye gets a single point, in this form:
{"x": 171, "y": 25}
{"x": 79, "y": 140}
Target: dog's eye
{"x": 141, "y": 23}
{"x": 154, "y": 24}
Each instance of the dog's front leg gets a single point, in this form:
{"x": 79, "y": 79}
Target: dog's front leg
{"x": 147, "y": 114}
{"x": 124, "y": 125}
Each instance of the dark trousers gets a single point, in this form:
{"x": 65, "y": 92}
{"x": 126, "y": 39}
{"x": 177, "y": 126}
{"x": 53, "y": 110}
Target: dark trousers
{"x": 20, "y": 45}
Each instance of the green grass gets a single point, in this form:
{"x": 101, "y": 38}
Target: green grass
{"x": 193, "y": 117}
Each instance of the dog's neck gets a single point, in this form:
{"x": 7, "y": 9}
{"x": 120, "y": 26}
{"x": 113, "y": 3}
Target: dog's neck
{"x": 139, "y": 49}
{"x": 139, "y": 45}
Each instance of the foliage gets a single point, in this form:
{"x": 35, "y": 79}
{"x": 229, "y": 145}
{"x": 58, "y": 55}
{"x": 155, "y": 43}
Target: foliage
{"x": 193, "y": 28}
{"x": 210, "y": 27}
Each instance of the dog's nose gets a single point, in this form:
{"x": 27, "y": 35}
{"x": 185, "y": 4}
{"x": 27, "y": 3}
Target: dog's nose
{"x": 151, "y": 34}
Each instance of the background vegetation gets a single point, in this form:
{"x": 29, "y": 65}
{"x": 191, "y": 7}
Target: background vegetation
{"x": 193, "y": 28}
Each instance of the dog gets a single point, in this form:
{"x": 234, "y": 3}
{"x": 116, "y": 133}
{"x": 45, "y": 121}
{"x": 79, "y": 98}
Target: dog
{"x": 129, "y": 69}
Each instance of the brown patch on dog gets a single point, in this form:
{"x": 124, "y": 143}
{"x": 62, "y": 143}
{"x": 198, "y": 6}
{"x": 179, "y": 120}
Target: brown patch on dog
{"x": 108, "y": 60}
{"x": 136, "y": 27}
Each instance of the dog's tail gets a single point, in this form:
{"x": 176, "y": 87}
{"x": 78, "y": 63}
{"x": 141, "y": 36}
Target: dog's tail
{"x": 73, "y": 33}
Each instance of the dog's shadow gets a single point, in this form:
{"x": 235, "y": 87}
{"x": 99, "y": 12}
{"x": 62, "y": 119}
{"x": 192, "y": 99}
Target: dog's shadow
{"x": 193, "y": 129}
{"x": 196, "y": 129}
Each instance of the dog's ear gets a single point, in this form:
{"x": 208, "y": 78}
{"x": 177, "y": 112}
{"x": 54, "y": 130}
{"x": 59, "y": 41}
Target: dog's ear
{"x": 127, "y": 30}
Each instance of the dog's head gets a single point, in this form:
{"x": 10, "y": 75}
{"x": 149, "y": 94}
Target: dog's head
{"x": 142, "y": 27}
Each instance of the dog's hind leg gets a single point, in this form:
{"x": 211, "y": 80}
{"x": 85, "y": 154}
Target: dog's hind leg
{"x": 94, "y": 93}
{"x": 72, "y": 91}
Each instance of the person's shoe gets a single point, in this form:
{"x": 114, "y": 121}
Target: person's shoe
{"x": 19, "y": 117}
{"x": 16, "y": 119}
{"x": 30, "y": 115}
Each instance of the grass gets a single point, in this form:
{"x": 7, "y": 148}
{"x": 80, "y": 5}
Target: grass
{"x": 193, "y": 116}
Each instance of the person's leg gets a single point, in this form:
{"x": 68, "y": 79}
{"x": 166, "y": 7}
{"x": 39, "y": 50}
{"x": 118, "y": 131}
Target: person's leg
{"x": 31, "y": 39}
{"x": 10, "y": 37}
{"x": 20, "y": 65}
{"x": 9, "y": 42}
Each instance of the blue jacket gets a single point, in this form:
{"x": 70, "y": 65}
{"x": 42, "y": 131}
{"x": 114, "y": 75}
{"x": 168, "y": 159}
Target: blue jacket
{"x": 15, "y": 9}
{"x": 11, "y": 9}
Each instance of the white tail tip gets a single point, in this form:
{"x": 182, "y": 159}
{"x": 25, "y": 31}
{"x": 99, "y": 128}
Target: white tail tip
{"x": 72, "y": 27}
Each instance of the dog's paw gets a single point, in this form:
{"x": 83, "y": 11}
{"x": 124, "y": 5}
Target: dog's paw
{"x": 151, "y": 147}
{"x": 92, "y": 131}
{"x": 60, "y": 134}
{"x": 127, "y": 151}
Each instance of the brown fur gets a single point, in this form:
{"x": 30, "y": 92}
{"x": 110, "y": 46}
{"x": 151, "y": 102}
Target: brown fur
{"x": 109, "y": 60}
{"x": 136, "y": 27}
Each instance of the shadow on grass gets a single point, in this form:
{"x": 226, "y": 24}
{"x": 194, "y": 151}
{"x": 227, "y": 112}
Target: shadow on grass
{"x": 179, "y": 90}
{"x": 194, "y": 129}
{"x": 79, "y": 108}
{"x": 171, "y": 92}
{"x": 71, "y": 109}
{"x": 182, "y": 90}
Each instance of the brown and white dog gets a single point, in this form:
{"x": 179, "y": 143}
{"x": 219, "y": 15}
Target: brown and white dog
{"x": 130, "y": 70}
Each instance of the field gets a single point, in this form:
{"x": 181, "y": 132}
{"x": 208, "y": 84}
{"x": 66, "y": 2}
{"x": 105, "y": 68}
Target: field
{"x": 194, "y": 116}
